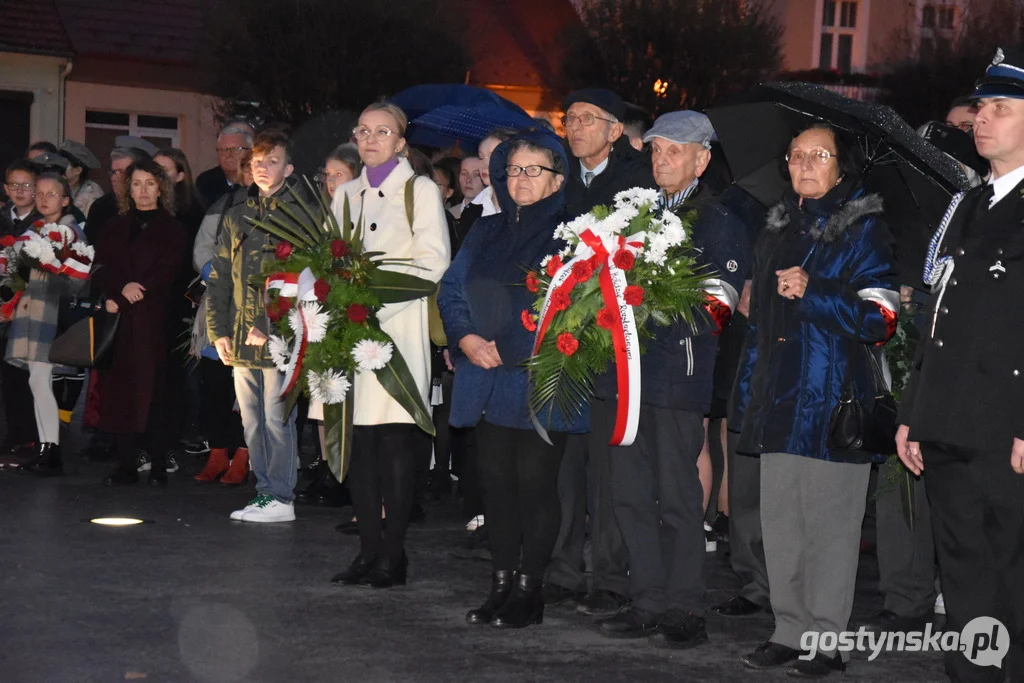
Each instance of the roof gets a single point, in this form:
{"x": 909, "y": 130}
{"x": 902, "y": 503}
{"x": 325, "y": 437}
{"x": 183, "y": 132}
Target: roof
{"x": 169, "y": 31}
{"x": 517, "y": 42}
{"x": 33, "y": 26}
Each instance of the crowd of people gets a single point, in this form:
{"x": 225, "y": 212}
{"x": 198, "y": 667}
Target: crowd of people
{"x": 733, "y": 436}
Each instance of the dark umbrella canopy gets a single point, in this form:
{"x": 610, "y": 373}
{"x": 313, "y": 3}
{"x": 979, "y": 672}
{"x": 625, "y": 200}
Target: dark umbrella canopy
{"x": 419, "y": 99}
{"x": 452, "y": 124}
{"x": 914, "y": 178}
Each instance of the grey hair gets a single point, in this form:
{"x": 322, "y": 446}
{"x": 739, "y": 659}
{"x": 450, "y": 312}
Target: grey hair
{"x": 237, "y": 129}
{"x": 136, "y": 155}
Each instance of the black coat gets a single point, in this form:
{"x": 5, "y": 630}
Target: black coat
{"x": 967, "y": 387}
{"x": 627, "y": 168}
{"x": 212, "y": 185}
{"x": 102, "y": 211}
{"x": 11, "y": 226}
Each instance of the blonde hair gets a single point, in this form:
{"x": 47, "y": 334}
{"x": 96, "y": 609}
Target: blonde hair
{"x": 394, "y": 110}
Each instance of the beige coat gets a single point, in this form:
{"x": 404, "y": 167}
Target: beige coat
{"x": 386, "y": 229}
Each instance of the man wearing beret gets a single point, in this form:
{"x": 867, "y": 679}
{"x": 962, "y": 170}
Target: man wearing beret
{"x": 962, "y": 413}
{"x": 656, "y": 492}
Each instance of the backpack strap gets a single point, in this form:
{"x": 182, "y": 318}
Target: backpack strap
{"x": 410, "y": 189}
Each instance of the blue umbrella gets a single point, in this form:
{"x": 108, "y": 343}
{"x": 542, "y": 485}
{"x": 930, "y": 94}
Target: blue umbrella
{"x": 452, "y": 124}
{"x": 419, "y": 99}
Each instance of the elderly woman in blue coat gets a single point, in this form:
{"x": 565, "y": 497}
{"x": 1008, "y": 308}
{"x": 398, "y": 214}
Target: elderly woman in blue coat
{"x": 480, "y": 299}
{"x": 825, "y": 294}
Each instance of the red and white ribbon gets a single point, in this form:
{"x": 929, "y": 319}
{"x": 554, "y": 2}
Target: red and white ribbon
{"x": 625, "y": 341}
{"x": 300, "y": 287}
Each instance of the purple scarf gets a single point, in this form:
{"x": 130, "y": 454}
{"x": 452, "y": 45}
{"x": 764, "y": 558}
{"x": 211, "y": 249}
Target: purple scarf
{"x": 378, "y": 174}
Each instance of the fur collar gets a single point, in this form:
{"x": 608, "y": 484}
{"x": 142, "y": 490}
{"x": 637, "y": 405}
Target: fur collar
{"x": 838, "y": 223}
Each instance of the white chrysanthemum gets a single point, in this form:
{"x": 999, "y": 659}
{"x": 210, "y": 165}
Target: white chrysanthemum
{"x": 636, "y": 197}
{"x": 372, "y": 355}
{"x": 546, "y": 260}
{"x": 67, "y": 235}
{"x": 83, "y": 249}
{"x": 617, "y": 222}
{"x": 657, "y": 249}
{"x": 316, "y": 321}
{"x": 39, "y": 249}
{"x": 279, "y": 352}
{"x": 329, "y": 387}
{"x": 565, "y": 253}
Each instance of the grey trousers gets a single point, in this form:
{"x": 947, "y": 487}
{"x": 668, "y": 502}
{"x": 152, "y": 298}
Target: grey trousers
{"x": 746, "y": 546}
{"x": 906, "y": 559}
{"x": 811, "y": 515}
{"x": 586, "y": 467}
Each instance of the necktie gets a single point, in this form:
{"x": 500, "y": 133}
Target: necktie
{"x": 588, "y": 178}
{"x": 986, "y": 197}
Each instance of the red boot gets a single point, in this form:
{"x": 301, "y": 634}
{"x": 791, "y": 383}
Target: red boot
{"x": 239, "y": 469}
{"x": 216, "y": 465}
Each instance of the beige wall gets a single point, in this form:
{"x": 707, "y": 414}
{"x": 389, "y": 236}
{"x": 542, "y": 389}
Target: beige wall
{"x": 42, "y": 76}
{"x": 196, "y": 125}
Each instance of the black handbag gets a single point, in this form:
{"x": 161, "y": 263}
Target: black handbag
{"x": 856, "y": 427}
{"x": 85, "y": 334}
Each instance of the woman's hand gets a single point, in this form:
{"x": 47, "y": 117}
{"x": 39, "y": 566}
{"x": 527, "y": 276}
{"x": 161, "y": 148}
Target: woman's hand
{"x": 134, "y": 292}
{"x": 255, "y": 338}
{"x": 792, "y": 282}
{"x": 224, "y": 350}
{"x": 480, "y": 352}
{"x": 111, "y": 306}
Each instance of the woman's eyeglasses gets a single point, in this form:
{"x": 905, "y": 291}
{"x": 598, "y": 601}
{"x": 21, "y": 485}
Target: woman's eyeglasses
{"x": 51, "y": 195}
{"x": 364, "y": 133}
{"x": 531, "y": 171}
{"x": 821, "y": 156}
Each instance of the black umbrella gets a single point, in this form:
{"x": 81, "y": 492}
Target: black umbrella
{"x": 915, "y": 179}
{"x": 317, "y": 137}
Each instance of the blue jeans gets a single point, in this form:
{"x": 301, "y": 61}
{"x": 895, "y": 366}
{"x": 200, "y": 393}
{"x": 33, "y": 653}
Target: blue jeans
{"x": 269, "y": 433}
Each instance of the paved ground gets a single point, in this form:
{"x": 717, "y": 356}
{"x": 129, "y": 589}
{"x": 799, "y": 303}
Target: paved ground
{"x": 192, "y": 596}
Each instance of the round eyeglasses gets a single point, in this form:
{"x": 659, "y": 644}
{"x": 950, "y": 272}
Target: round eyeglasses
{"x": 363, "y": 133}
{"x": 821, "y": 156}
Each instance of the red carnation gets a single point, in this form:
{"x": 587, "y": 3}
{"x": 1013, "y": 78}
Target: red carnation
{"x": 357, "y": 313}
{"x": 560, "y": 301}
{"x": 55, "y": 236}
{"x": 633, "y": 295}
{"x": 284, "y": 305}
{"x": 532, "y": 282}
{"x": 568, "y": 344}
{"x": 38, "y": 224}
{"x": 321, "y": 289}
{"x": 582, "y": 271}
{"x": 274, "y": 310}
{"x": 528, "y": 321}
{"x": 624, "y": 259}
{"x": 339, "y": 248}
{"x": 554, "y": 264}
{"x": 282, "y": 251}
{"x": 606, "y": 318}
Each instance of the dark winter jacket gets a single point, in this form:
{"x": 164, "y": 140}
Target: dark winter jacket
{"x": 627, "y": 168}
{"x": 792, "y": 370}
{"x": 482, "y": 293}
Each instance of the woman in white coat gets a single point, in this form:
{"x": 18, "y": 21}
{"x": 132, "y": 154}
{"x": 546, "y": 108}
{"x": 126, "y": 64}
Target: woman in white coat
{"x": 386, "y": 440}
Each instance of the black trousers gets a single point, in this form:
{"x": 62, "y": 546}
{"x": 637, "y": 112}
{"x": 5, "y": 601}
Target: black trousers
{"x": 586, "y": 468}
{"x": 220, "y": 423}
{"x": 906, "y": 559}
{"x": 383, "y": 472}
{"x": 977, "y": 505}
{"x": 658, "y": 503}
{"x": 466, "y": 466}
{"x": 161, "y": 428}
{"x": 519, "y": 473}
{"x": 746, "y": 545}
{"x": 19, "y": 410}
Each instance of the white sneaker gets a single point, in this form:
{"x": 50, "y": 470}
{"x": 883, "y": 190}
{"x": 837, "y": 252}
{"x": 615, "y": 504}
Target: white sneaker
{"x": 710, "y": 543}
{"x": 475, "y": 523}
{"x": 940, "y": 605}
{"x": 268, "y": 509}
{"x": 251, "y": 505}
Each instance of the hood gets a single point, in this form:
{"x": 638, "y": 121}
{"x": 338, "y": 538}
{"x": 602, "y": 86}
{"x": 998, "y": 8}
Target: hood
{"x": 499, "y": 160}
{"x": 828, "y": 217}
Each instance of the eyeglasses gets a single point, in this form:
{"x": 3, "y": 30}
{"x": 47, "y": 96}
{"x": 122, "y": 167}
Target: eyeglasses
{"x": 533, "y": 171}
{"x": 364, "y": 133}
{"x": 585, "y": 119}
{"x": 51, "y": 195}
{"x": 965, "y": 126}
{"x": 114, "y": 172}
{"x": 232, "y": 150}
{"x": 797, "y": 158}
{"x": 19, "y": 187}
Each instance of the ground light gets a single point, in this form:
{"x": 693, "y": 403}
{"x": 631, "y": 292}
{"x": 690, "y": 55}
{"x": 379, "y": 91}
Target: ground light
{"x": 116, "y": 521}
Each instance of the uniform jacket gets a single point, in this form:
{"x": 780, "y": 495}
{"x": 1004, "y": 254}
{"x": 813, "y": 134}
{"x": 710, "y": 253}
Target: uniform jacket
{"x": 87, "y": 193}
{"x": 386, "y": 229}
{"x": 627, "y": 168}
{"x": 967, "y": 387}
{"x": 483, "y": 294}
{"x": 144, "y": 247}
{"x": 233, "y": 304}
{"x": 793, "y": 367}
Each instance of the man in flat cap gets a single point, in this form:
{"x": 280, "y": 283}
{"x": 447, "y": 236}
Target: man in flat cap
{"x": 962, "y": 413}
{"x": 656, "y": 491}
{"x": 603, "y": 164}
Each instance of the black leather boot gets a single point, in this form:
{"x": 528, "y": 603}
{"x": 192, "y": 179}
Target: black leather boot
{"x": 387, "y": 573}
{"x": 524, "y": 606}
{"x": 359, "y": 568}
{"x": 48, "y": 463}
{"x": 501, "y": 586}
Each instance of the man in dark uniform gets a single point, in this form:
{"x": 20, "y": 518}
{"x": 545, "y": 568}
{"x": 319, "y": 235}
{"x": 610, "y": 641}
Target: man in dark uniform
{"x": 962, "y": 416}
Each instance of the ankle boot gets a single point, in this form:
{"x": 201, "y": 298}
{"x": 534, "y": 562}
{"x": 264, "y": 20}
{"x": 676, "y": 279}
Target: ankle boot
{"x": 48, "y": 463}
{"x": 501, "y": 586}
{"x": 386, "y": 573}
{"x": 524, "y": 606}
{"x": 238, "y": 470}
{"x": 216, "y": 465}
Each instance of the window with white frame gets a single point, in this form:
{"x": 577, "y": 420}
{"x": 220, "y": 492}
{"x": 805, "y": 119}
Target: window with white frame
{"x": 103, "y": 127}
{"x": 838, "y": 28}
{"x": 939, "y": 22}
